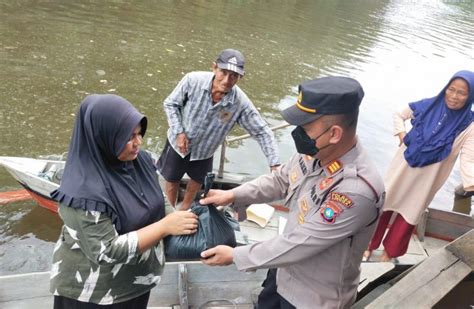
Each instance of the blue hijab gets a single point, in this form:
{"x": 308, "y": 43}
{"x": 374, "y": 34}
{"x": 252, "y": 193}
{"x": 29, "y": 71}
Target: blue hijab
{"x": 95, "y": 179}
{"x": 436, "y": 126}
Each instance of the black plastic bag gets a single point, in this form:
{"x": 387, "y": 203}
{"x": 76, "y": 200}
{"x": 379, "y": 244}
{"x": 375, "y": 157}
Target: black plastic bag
{"x": 214, "y": 228}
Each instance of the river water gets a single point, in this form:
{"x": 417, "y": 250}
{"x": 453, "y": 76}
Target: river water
{"x": 54, "y": 53}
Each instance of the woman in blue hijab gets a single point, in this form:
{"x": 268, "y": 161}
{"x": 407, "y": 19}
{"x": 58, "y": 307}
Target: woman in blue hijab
{"x": 442, "y": 128}
{"x": 109, "y": 251}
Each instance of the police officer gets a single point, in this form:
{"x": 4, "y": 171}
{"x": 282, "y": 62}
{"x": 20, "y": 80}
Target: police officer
{"x": 334, "y": 195}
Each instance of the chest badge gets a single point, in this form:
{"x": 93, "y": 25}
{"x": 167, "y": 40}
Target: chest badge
{"x": 325, "y": 183}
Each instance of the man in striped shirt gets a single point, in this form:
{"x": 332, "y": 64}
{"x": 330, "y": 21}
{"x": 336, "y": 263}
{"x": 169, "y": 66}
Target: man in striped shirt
{"x": 201, "y": 111}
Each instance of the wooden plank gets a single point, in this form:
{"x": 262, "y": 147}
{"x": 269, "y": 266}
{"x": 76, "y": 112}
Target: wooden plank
{"x": 421, "y": 226}
{"x": 379, "y": 290}
{"x": 183, "y": 285}
{"x": 24, "y": 286}
{"x": 371, "y": 271}
{"x": 426, "y": 284}
{"x": 447, "y": 225}
{"x": 38, "y": 302}
{"x": 455, "y": 218}
{"x": 463, "y": 248}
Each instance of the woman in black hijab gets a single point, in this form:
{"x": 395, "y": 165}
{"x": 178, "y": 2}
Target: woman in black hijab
{"x": 109, "y": 251}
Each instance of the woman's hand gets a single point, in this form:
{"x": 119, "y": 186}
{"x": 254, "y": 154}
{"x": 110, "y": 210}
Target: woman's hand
{"x": 182, "y": 142}
{"x": 218, "y": 197}
{"x": 180, "y": 223}
{"x": 175, "y": 223}
{"x": 401, "y": 136}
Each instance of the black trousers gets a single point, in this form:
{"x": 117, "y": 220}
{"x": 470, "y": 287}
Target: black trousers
{"x": 269, "y": 297}
{"x": 139, "y": 302}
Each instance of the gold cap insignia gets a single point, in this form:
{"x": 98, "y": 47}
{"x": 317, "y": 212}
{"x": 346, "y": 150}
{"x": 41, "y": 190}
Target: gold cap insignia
{"x": 304, "y": 108}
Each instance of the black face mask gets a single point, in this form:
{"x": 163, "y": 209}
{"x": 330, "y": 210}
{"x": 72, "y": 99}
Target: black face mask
{"x": 305, "y": 144}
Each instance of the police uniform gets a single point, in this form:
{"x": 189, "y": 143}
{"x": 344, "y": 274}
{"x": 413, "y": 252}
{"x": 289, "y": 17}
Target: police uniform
{"x": 333, "y": 211}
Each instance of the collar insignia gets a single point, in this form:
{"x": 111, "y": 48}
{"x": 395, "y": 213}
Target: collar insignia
{"x": 334, "y": 167}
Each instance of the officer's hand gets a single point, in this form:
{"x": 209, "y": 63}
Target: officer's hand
{"x": 182, "y": 142}
{"x": 218, "y": 256}
{"x": 218, "y": 198}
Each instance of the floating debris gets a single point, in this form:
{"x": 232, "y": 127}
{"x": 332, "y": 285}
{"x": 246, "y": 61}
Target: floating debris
{"x": 100, "y": 72}
{"x": 111, "y": 90}
{"x": 103, "y": 81}
{"x": 154, "y": 89}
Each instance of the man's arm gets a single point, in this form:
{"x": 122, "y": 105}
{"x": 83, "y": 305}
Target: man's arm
{"x": 309, "y": 238}
{"x": 173, "y": 105}
{"x": 253, "y": 123}
{"x": 265, "y": 188}
{"x": 306, "y": 240}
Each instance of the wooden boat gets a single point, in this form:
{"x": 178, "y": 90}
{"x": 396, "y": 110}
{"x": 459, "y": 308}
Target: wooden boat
{"x": 42, "y": 176}
{"x": 38, "y": 176}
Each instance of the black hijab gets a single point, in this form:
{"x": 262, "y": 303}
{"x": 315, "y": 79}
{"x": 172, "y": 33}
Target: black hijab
{"x": 94, "y": 178}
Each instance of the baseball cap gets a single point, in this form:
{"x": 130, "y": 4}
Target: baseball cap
{"x": 324, "y": 96}
{"x": 232, "y": 60}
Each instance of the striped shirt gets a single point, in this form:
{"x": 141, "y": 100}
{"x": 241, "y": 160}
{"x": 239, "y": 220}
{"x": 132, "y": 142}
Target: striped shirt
{"x": 189, "y": 109}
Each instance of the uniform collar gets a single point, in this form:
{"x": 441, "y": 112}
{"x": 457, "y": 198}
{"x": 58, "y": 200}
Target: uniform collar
{"x": 336, "y": 166}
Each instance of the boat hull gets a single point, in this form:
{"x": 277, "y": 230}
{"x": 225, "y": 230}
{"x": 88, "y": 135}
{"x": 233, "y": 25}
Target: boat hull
{"x": 32, "y": 174}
